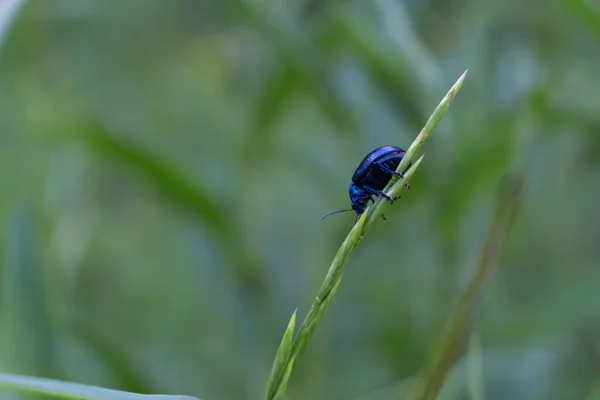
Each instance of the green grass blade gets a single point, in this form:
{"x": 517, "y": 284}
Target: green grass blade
{"x": 27, "y": 337}
{"x": 173, "y": 182}
{"x": 9, "y": 9}
{"x": 313, "y": 318}
{"x": 459, "y": 326}
{"x": 70, "y": 390}
{"x": 281, "y": 371}
{"x": 334, "y": 274}
{"x": 284, "y": 381}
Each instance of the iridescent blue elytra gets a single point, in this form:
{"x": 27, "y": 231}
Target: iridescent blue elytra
{"x": 372, "y": 176}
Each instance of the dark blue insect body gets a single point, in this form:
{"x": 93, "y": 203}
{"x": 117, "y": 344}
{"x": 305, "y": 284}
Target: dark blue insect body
{"x": 372, "y": 176}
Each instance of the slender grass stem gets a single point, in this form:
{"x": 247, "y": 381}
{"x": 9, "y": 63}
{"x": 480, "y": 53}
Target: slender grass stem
{"x": 289, "y": 350}
{"x": 459, "y": 326}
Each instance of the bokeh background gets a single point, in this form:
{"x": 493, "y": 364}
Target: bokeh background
{"x": 164, "y": 164}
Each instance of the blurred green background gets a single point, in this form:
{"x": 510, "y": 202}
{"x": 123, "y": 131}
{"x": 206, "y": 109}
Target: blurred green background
{"x": 164, "y": 164}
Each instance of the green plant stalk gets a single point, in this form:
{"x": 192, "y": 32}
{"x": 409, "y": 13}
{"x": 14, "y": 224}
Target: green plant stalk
{"x": 459, "y": 326}
{"x": 287, "y": 353}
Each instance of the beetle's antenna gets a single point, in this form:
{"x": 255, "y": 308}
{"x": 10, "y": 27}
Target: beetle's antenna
{"x": 333, "y": 212}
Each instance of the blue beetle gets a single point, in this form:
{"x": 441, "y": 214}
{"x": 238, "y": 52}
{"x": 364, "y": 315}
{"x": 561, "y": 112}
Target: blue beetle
{"x": 372, "y": 176}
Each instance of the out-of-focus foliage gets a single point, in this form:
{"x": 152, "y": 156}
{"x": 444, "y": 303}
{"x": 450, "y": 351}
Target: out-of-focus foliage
{"x": 164, "y": 165}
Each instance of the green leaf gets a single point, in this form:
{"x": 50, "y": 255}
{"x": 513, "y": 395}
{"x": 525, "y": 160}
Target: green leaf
{"x": 70, "y": 390}
{"x": 173, "y": 182}
{"x": 27, "y": 337}
{"x": 10, "y": 10}
{"x": 282, "y": 366}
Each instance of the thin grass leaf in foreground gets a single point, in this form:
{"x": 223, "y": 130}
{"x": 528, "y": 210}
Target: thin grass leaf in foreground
{"x": 27, "y": 336}
{"x": 459, "y": 326}
{"x": 9, "y": 9}
{"x": 284, "y": 362}
{"x": 69, "y": 390}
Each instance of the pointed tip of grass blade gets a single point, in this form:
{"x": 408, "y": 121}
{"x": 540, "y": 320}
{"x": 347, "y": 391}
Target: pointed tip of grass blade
{"x": 418, "y": 162}
{"x": 292, "y": 323}
{"x": 432, "y": 122}
{"x": 281, "y": 365}
{"x": 414, "y": 167}
{"x": 286, "y": 343}
{"x": 455, "y": 88}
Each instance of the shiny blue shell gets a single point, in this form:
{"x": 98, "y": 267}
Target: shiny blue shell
{"x": 365, "y": 174}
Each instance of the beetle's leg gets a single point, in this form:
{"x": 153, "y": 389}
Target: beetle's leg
{"x": 389, "y": 170}
{"x": 379, "y": 193}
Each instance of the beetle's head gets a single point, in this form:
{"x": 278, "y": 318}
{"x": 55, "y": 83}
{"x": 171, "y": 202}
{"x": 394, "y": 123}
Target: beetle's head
{"x": 359, "y": 198}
